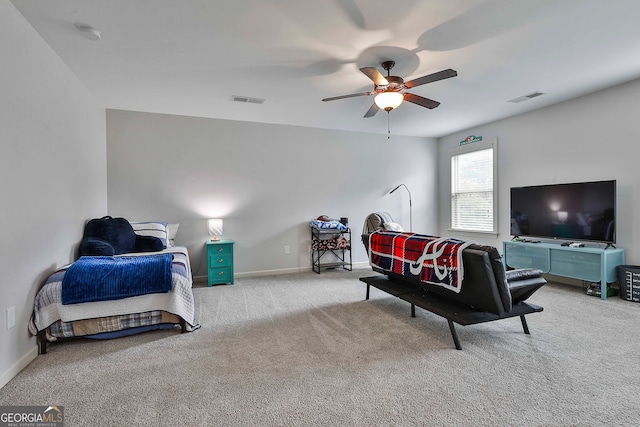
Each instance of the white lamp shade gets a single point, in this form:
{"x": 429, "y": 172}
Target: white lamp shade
{"x": 215, "y": 227}
{"x": 388, "y": 100}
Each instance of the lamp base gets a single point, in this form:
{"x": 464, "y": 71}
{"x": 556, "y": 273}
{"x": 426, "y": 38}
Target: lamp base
{"x": 215, "y": 239}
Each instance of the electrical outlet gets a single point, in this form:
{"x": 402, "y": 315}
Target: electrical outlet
{"x": 11, "y": 317}
{"x": 287, "y": 250}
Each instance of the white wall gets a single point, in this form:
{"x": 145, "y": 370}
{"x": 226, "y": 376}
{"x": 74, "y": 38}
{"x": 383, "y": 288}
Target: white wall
{"x": 591, "y": 138}
{"x": 266, "y": 181}
{"x": 53, "y": 163}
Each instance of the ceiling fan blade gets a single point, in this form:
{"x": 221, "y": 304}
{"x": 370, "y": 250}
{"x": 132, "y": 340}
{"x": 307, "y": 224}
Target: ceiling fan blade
{"x": 440, "y": 75}
{"x": 419, "y": 100}
{"x": 349, "y": 96}
{"x": 372, "y": 111}
{"x": 375, "y": 75}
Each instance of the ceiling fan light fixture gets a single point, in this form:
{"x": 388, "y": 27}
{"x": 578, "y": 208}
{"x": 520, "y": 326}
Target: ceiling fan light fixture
{"x": 388, "y": 100}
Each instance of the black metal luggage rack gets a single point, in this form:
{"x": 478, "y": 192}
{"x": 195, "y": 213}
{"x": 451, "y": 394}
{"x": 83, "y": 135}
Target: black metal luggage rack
{"x": 336, "y": 242}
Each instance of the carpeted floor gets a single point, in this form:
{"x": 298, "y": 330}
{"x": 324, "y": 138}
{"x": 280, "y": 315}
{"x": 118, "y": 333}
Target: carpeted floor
{"x": 308, "y": 350}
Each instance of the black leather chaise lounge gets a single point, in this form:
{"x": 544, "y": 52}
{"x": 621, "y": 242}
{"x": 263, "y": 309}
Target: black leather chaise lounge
{"x": 487, "y": 292}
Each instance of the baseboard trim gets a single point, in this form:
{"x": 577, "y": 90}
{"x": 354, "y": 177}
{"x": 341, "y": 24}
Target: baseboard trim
{"x": 15, "y": 369}
{"x": 259, "y": 273}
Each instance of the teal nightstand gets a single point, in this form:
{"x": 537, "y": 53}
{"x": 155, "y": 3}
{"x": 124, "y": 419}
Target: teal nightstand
{"x": 219, "y": 262}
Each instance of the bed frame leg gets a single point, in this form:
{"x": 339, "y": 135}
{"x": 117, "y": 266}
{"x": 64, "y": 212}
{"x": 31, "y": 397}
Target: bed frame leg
{"x": 413, "y": 310}
{"x": 42, "y": 342}
{"x": 524, "y": 325}
{"x": 367, "y": 291}
{"x": 183, "y": 326}
{"x": 454, "y": 334}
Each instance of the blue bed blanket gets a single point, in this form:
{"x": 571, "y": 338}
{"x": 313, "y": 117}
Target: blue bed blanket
{"x": 101, "y": 278}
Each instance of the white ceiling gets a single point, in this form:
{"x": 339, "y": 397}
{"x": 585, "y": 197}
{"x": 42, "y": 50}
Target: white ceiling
{"x": 189, "y": 57}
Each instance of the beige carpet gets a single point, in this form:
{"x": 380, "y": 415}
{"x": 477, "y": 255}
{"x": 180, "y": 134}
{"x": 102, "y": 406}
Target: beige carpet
{"x": 307, "y": 349}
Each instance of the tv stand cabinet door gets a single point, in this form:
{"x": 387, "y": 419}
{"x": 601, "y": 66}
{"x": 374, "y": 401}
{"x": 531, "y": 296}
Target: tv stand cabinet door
{"x": 518, "y": 255}
{"x": 577, "y": 264}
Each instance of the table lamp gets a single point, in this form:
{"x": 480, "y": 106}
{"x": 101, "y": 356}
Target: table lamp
{"x": 215, "y": 228}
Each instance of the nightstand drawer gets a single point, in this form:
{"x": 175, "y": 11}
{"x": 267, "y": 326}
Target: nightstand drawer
{"x": 221, "y": 275}
{"x": 221, "y": 249}
{"x": 216, "y": 260}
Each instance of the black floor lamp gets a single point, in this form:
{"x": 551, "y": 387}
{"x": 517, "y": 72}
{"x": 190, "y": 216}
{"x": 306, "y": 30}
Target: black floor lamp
{"x": 410, "y": 207}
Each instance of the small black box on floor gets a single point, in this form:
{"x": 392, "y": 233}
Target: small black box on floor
{"x": 629, "y": 279}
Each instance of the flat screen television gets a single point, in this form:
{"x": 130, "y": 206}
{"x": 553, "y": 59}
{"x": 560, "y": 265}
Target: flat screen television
{"x": 576, "y": 211}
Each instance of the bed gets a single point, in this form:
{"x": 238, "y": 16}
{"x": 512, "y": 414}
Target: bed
{"x": 54, "y": 319}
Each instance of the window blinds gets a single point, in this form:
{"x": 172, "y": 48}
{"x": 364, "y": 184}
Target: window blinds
{"x": 472, "y": 191}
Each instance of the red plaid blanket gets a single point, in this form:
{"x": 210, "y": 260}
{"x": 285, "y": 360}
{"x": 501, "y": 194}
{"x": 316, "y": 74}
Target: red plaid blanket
{"x": 435, "y": 260}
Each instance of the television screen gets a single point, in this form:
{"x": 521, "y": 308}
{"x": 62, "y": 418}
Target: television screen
{"x": 577, "y": 211}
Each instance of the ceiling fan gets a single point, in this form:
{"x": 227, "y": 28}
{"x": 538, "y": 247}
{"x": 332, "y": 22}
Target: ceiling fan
{"x": 388, "y": 90}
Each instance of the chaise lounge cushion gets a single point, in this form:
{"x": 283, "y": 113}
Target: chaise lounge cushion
{"x": 498, "y": 271}
{"x": 523, "y": 283}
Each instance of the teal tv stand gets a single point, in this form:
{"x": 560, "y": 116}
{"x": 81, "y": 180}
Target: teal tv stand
{"x": 587, "y": 263}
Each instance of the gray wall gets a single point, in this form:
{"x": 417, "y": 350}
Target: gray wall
{"x": 53, "y": 163}
{"x": 591, "y": 138}
{"x": 266, "y": 181}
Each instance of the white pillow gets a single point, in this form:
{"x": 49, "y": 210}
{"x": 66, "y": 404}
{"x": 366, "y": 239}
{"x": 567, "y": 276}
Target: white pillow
{"x": 172, "y": 230}
{"x": 155, "y": 229}
{"x": 393, "y": 226}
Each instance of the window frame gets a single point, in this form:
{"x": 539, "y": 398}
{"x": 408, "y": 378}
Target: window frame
{"x": 469, "y": 148}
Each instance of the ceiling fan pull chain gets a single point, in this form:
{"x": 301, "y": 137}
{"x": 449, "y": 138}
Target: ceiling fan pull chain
{"x": 388, "y": 130}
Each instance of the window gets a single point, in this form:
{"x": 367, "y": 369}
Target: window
{"x": 474, "y": 187}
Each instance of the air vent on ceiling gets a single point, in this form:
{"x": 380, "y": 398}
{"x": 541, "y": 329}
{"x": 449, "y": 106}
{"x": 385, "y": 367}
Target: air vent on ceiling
{"x": 526, "y": 97}
{"x": 88, "y": 32}
{"x": 247, "y": 99}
